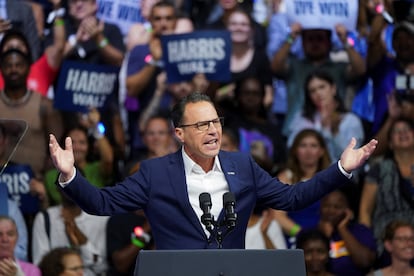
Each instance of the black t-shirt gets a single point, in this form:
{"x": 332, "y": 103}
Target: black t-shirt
{"x": 118, "y": 235}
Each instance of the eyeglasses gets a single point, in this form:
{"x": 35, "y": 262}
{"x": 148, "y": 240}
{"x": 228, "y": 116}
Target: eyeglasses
{"x": 404, "y": 239}
{"x": 401, "y": 130}
{"x": 205, "y": 125}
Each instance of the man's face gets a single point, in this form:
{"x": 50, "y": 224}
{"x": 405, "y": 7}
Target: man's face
{"x": 403, "y": 45}
{"x": 81, "y": 9}
{"x": 163, "y": 20}
{"x": 15, "y": 70}
{"x": 316, "y": 44}
{"x": 200, "y": 145}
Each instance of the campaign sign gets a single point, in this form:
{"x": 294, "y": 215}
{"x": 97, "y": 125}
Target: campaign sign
{"x": 121, "y": 13}
{"x": 323, "y": 14}
{"x": 207, "y": 52}
{"x": 84, "y": 85}
{"x": 17, "y": 179}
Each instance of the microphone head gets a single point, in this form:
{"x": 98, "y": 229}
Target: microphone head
{"x": 228, "y": 198}
{"x": 230, "y": 216}
{"x": 205, "y": 200}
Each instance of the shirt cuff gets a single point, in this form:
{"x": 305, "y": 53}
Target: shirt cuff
{"x": 348, "y": 175}
{"x": 63, "y": 184}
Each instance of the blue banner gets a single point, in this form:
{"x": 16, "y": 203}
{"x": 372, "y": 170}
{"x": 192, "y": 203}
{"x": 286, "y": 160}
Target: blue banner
{"x": 17, "y": 179}
{"x": 207, "y": 52}
{"x": 84, "y": 85}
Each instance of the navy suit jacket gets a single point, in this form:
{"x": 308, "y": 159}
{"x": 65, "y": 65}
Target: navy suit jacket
{"x": 160, "y": 189}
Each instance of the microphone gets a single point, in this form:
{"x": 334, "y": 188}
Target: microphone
{"x": 229, "y": 203}
{"x": 205, "y": 204}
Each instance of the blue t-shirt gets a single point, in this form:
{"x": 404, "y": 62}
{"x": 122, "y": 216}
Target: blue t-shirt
{"x": 340, "y": 261}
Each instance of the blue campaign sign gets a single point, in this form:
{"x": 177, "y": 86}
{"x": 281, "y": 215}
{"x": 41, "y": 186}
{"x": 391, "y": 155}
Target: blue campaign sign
{"x": 207, "y": 52}
{"x": 84, "y": 85}
{"x": 17, "y": 179}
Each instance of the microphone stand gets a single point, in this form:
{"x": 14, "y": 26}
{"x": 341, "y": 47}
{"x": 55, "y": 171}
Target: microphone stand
{"x": 215, "y": 227}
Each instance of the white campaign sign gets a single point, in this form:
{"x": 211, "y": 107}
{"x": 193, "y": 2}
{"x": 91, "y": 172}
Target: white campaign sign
{"x": 323, "y": 14}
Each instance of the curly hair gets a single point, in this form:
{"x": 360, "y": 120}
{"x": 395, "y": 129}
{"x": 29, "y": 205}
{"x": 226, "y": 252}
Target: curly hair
{"x": 52, "y": 263}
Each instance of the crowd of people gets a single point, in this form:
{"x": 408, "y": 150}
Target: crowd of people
{"x": 295, "y": 98}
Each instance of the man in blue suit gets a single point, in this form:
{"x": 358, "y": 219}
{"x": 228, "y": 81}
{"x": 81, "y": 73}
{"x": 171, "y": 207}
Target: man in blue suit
{"x": 168, "y": 188}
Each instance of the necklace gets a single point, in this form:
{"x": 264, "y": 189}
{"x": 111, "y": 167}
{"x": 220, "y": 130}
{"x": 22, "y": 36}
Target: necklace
{"x": 15, "y": 102}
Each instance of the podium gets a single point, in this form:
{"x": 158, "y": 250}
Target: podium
{"x": 221, "y": 262}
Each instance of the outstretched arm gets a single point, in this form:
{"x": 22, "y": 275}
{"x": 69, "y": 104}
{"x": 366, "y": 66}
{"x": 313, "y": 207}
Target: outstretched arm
{"x": 63, "y": 159}
{"x": 352, "y": 158}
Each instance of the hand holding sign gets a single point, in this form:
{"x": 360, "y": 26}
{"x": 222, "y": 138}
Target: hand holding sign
{"x": 155, "y": 48}
{"x": 342, "y": 32}
{"x": 91, "y": 28}
{"x": 295, "y": 30}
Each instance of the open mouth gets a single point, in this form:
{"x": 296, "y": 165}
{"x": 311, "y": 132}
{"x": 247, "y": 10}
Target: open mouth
{"x": 211, "y": 142}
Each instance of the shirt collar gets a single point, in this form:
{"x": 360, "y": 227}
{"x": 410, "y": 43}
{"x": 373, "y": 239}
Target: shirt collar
{"x": 192, "y": 167}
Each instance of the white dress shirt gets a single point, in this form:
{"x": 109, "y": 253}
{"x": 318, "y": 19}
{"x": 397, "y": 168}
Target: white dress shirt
{"x": 198, "y": 181}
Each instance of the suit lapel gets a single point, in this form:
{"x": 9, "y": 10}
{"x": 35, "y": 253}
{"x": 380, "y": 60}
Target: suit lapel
{"x": 176, "y": 177}
{"x": 228, "y": 165}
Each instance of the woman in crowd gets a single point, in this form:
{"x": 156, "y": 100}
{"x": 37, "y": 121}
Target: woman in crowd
{"x": 388, "y": 191}
{"x": 324, "y": 111}
{"x": 9, "y": 265}
{"x": 399, "y": 242}
{"x": 307, "y": 155}
{"x": 246, "y": 60}
{"x": 263, "y": 232}
{"x": 62, "y": 261}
